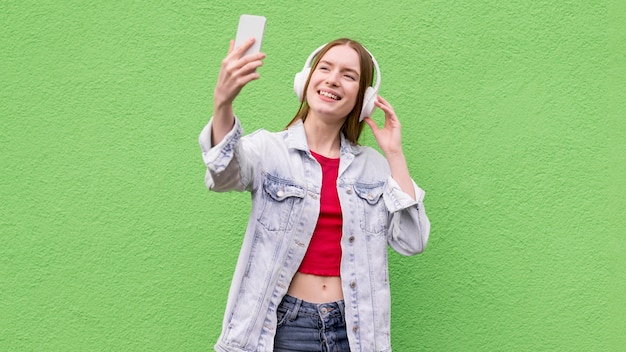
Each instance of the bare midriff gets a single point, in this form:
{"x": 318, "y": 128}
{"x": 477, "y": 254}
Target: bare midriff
{"x": 315, "y": 288}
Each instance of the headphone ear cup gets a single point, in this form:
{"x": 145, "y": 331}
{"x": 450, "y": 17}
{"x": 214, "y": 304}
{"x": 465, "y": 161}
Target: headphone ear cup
{"x": 299, "y": 81}
{"x": 368, "y": 103}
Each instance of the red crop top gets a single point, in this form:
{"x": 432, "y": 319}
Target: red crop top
{"x": 323, "y": 256}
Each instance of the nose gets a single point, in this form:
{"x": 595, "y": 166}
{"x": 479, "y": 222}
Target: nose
{"x": 333, "y": 78}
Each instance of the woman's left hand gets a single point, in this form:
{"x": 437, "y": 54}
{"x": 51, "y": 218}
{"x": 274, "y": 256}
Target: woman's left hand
{"x": 389, "y": 138}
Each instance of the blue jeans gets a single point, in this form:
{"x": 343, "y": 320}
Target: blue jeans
{"x": 304, "y": 326}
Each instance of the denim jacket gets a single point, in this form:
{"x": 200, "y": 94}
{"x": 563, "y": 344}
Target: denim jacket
{"x": 284, "y": 180}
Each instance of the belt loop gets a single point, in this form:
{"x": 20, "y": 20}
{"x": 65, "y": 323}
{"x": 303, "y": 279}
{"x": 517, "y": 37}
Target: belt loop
{"x": 342, "y": 309}
{"x": 296, "y": 307}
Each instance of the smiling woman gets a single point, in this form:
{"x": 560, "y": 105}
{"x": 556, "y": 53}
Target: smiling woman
{"x": 312, "y": 271}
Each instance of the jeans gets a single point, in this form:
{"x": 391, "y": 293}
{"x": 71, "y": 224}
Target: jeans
{"x": 304, "y": 326}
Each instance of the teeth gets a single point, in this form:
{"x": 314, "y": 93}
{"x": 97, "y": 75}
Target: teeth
{"x": 329, "y": 95}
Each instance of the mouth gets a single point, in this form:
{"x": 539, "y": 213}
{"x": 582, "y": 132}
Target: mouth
{"x": 328, "y": 95}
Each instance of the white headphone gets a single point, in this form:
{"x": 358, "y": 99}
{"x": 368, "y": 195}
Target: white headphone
{"x": 370, "y": 93}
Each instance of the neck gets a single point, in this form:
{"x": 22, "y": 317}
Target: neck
{"x": 323, "y": 138}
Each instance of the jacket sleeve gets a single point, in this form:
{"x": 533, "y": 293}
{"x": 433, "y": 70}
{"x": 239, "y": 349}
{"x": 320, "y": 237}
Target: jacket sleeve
{"x": 226, "y": 163}
{"x": 409, "y": 226}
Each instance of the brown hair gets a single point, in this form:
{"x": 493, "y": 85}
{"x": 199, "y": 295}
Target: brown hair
{"x": 352, "y": 127}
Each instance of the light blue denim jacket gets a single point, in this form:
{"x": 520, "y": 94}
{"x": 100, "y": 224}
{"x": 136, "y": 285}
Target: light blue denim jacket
{"x": 284, "y": 180}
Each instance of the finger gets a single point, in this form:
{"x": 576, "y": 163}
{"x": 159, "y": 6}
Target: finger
{"x": 248, "y": 69}
{"x": 252, "y": 58}
{"x": 382, "y": 102}
{"x": 243, "y": 47}
{"x": 245, "y": 63}
{"x": 384, "y": 107}
{"x": 371, "y": 123}
{"x": 236, "y": 67}
{"x": 250, "y": 66}
{"x": 381, "y": 99}
{"x": 245, "y": 79}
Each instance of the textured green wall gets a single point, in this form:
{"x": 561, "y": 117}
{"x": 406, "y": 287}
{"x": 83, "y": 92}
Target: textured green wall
{"x": 513, "y": 116}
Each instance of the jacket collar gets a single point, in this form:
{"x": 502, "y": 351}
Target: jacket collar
{"x": 296, "y": 139}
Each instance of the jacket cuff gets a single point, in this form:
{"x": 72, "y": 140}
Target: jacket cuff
{"x": 398, "y": 199}
{"x": 217, "y": 157}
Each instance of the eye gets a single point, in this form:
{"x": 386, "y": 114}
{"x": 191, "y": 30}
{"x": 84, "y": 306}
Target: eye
{"x": 350, "y": 77}
{"x": 323, "y": 68}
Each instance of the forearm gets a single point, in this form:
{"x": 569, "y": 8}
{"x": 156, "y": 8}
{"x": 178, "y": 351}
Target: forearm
{"x": 400, "y": 172}
{"x": 223, "y": 121}
{"x": 237, "y": 70}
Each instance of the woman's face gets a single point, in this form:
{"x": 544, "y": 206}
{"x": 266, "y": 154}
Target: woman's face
{"x": 334, "y": 84}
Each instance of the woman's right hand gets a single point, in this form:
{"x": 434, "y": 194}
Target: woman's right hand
{"x": 235, "y": 73}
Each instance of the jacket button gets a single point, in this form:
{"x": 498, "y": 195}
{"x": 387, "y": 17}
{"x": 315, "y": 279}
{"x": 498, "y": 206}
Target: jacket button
{"x": 355, "y": 328}
{"x": 348, "y": 190}
{"x": 352, "y": 284}
{"x": 351, "y": 239}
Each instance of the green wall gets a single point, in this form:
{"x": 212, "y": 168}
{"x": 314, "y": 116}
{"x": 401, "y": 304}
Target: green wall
{"x": 514, "y": 124}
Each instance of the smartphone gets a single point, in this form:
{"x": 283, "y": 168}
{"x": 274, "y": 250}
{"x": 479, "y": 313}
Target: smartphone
{"x": 250, "y": 26}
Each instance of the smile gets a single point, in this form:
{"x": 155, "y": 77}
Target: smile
{"x": 329, "y": 95}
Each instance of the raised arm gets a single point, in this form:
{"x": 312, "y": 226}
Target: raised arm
{"x": 390, "y": 141}
{"x": 409, "y": 228}
{"x": 235, "y": 73}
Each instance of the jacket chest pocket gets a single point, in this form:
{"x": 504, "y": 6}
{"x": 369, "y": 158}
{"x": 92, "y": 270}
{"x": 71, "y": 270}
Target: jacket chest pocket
{"x": 371, "y": 204}
{"x": 281, "y": 203}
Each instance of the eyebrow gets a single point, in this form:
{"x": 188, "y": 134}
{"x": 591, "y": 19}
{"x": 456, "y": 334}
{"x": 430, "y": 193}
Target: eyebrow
{"x": 344, "y": 69}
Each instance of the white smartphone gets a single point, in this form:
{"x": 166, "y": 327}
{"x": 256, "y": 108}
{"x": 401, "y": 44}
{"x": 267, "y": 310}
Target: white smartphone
{"x": 250, "y": 26}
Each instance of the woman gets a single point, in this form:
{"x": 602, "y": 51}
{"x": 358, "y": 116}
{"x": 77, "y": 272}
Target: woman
{"x": 312, "y": 271}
